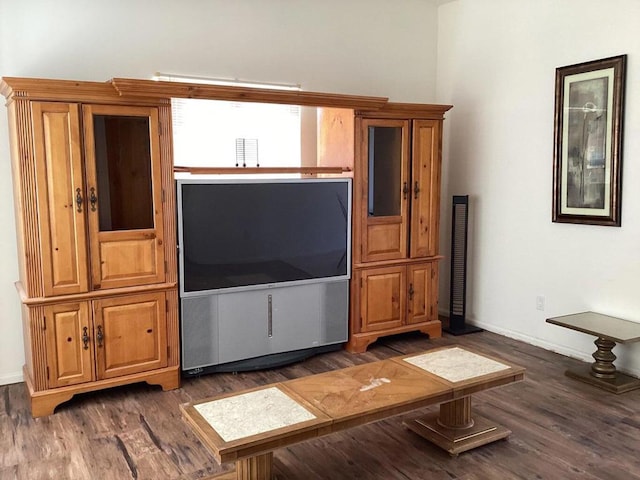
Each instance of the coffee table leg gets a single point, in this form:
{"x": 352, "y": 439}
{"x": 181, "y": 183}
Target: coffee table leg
{"x": 255, "y": 468}
{"x": 455, "y": 429}
{"x": 259, "y": 467}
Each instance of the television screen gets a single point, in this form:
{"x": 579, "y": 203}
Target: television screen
{"x": 235, "y": 234}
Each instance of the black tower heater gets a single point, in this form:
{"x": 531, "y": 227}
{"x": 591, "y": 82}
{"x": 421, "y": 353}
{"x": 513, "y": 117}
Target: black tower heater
{"x": 458, "y": 290}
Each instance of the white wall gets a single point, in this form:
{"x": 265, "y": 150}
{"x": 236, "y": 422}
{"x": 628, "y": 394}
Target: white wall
{"x": 496, "y": 62}
{"x": 11, "y": 346}
{"x": 366, "y": 47}
{"x": 496, "y": 65}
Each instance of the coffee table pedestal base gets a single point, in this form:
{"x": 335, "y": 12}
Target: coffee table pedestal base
{"x": 602, "y": 372}
{"x": 454, "y": 429}
{"x": 620, "y": 383}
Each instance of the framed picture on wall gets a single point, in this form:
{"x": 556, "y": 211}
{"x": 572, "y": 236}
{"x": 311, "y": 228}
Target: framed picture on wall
{"x": 587, "y": 160}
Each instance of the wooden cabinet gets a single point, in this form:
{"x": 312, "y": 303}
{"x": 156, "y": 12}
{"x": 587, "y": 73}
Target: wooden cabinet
{"x": 400, "y": 169}
{"x": 69, "y": 359}
{"x": 383, "y": 302}
{"x": 422, "y": 293}
{"x": 129, "y": 334}
{"x": 95, "y": 208}
{"x": 101, "y": 208}
{"x": 394, "y": 299}
{"x": 396, "y": 222}
{"x": 123, "y": 197}
{"x": 93, "y": 186}
{"x": 60, "y": 187}
{"x": 105, "y": 338}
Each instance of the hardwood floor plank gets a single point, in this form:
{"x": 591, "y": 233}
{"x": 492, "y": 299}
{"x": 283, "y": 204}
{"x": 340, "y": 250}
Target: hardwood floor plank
{"x": 562, "y": 428}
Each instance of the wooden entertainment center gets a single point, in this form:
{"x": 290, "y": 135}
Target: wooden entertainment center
{"x": 94, "y": 195}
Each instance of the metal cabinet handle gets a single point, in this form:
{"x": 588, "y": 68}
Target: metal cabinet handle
{"x": 411, "y": 291}
{"x": 79, "y": 200}
{"x": 85, "y": 338}
{"x": 405, "y": 190}
{"x": 270, "y": 315}
{"x": 100, "y": 335}
{"x": 416, "y": 190}
{"x": 93, "y": 199}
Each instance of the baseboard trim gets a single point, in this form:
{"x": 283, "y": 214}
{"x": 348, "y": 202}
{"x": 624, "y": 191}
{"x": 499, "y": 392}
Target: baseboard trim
{"x": 9, "y": 378}
{"x": 552, "y": 347}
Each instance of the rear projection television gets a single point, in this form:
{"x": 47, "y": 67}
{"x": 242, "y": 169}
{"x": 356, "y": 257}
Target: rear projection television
{"x": 245, "y": 234}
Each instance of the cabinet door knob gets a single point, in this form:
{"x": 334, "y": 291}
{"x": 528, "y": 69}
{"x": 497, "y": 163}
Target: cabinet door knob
{"x": 405, "y": 190}
{"x": 416, "y": 190}
{"x": 411, "y": 291}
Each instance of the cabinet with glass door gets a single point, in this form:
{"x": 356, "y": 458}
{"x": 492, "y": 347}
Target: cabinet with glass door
{"x": 89, "y": 178}
{"x": 396, "y": 223}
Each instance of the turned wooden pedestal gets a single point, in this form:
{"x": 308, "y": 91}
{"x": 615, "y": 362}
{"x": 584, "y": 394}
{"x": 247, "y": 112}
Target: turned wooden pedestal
{"x": 455, "y": 429}
{"x": 255, "y": 468}
{"x": 602, "y": 373}
{"x": 245, "y": 427}
{"x": 259, "y": 467}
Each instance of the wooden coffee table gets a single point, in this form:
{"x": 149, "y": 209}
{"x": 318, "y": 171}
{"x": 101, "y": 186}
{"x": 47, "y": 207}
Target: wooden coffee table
{"x": 609, "y": 330}
{"x": 246, "y": 427}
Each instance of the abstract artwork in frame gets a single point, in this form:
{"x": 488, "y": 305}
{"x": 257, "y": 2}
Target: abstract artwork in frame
{"x": 587, "y": 160}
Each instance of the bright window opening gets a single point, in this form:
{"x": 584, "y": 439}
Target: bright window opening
{"x": 212, "y": 133}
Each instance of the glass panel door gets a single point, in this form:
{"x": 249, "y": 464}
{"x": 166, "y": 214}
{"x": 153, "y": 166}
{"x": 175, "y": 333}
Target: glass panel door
{"x": 123, "y": 195}
{"x": 385, "y": 170}
{"x": 384, "y": 160}
{"x": 123, "y": 170}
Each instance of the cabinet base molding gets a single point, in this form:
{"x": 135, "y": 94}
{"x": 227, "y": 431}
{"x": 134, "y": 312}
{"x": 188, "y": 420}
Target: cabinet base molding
{"x": 359, "y": 342}
{"x": 44, "y": 402}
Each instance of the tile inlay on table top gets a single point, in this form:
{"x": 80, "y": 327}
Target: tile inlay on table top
{"x": 456, "y": 364}
{"x": 252, "y": 413}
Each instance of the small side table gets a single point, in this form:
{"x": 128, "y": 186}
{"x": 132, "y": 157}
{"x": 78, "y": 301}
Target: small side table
{"x": 609, "y": 330}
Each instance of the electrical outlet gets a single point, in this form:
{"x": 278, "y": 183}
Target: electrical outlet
{"x": 540, "y": 302}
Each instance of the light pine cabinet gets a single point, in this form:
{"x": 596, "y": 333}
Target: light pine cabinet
{"x": 93, "y": 187}
{"x": 69, "y": 357}
{"x": 422, "y": 293}
{"x": 129, "y": 334}
{"x": 101, "y": 209}
{"x": 123, "y": 198}
{"x": 382, "y": 299}
{"x": 95, "y": 207}
{"x": 396, "y": 297}
{"x": 400, "y": 169}
{"x": 87, "y": 341}
{"x": 425, "y": 188}
{"x": 384, "y": 169}
{"x": 396, "y": 222}
{"x": 59, "y": 181}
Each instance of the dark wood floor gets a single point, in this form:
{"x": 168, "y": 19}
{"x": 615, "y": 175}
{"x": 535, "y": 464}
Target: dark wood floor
{"x": 562, "y": 429}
